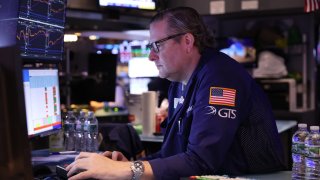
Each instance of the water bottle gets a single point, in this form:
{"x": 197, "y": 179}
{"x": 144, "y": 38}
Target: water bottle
{"x": 298, "y": 152}
{"x": 79, "y": 132}
{"x": 91, "y": 132}
{"x": 68, "y": 128}
{"x": 312, "y": 143}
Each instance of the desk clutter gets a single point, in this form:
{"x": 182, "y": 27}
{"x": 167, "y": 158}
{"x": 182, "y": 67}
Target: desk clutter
{"x": 81, "y": 132}
{"x": 306, "y": 153}
{"x": 212, "y": 177}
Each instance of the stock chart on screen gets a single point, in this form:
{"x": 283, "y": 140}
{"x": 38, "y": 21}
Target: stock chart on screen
{"x": 40, "y": 28}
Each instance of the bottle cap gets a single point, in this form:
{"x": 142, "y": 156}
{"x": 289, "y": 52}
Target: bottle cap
{"x": 90, "y": 113}
{"x": 82, "y": 113}
{"x": 302, "y": 125}
{"x": 314, "y": 128}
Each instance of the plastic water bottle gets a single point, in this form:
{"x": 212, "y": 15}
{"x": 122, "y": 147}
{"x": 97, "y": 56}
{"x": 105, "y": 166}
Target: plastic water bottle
{"x": 91, "y": 132}
{"x": 68, "y": 128}
{"x": 79, "y": 132}
{"x": 298, "y": 152}
{"x": 312, "y": 144}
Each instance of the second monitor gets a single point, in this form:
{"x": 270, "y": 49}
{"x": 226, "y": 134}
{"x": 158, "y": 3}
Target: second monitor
{"x": 42, "y": 99}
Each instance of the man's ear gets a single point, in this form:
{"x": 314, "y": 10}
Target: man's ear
{"x": 189, "y": 41}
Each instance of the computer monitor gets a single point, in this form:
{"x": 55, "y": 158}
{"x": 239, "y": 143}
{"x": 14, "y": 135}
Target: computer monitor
{"x": 40, "y": 29}
{"x": 134, "y": 4}
{"x": 99, "y": 84}
{"x": 42, "y": 101}
{"x": 90, "y": 88}
{"x": 102, "y": 64}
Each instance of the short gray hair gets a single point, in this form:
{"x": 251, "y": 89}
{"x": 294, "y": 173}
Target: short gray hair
{"x": 187, "y": 19}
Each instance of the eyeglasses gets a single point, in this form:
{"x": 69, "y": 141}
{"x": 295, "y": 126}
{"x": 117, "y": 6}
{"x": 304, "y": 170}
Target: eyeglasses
{"x": 155, "y": 45}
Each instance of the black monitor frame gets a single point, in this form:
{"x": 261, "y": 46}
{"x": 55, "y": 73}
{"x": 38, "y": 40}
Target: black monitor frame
{"x": 14, "y": 147}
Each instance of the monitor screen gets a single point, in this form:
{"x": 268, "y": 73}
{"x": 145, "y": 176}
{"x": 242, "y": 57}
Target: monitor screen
{"x": 135, "y": 4}
{"x": 40, "y": 29}
{"x": 104, "y": 64}
{"x": 139, "y": 85}
{"x": 42, "y": 101}
{"x": 92, "y": 88}
{"x": 100, "y": 84}
{"x": 142, "y": 67}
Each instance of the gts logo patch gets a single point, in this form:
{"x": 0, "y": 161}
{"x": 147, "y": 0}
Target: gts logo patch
{"x": 223, "y": 112}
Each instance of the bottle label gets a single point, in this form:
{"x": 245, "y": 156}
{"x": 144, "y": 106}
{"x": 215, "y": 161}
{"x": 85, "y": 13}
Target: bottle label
{"x": 311, "y": 163}
{"x": 68, "y": 127}
{"x": 90, "y": 128}
{"x": 298, "y": 148}
{"x": 313, "y": 151}
{"x": 297, "y": 158}
{"x": 78, "y": 127}
{"x": 56, "y": 142}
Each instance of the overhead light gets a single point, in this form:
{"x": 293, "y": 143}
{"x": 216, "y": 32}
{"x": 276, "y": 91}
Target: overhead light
{"x": 93, "y": 37}
{"x": 70, "y": 38}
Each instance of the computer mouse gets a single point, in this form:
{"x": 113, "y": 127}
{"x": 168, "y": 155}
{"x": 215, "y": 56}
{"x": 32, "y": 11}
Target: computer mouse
{"x": 62, "y": 172}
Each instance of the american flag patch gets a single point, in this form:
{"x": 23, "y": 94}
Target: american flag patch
{"x": 222, "y": 96}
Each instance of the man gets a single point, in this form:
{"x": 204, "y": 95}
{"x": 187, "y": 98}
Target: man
{"x": 219, "y": 119}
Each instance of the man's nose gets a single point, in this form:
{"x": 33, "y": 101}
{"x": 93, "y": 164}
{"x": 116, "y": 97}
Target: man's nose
{"x": 153, "y": 56}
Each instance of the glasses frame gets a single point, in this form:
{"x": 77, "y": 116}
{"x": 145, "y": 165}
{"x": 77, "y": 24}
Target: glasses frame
{"x": 154, "y": 46}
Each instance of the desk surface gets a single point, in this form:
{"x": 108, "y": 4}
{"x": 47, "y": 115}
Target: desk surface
{"x": 281, "y": 175}
{"x": 44, "y": 156}
{"x": 102, "y": 113}
{"x": 282, "y": 126}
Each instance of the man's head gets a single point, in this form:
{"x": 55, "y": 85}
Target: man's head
{"x": 178, "y": 36}
{"x": 186, "y": 19}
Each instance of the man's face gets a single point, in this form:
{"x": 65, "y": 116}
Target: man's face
{"x": 170, "y": 58}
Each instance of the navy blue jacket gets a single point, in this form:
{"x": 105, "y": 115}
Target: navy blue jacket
{"x": 219, "y": 123}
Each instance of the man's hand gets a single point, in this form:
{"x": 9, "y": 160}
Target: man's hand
{"x": 93, "y": 165}
{"x": 115, "y": 155}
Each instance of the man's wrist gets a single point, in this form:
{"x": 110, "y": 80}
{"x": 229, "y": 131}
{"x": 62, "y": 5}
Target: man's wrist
{"x": 137, "y": 168}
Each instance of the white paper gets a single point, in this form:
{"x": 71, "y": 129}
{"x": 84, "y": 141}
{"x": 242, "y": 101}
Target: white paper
{"x": 217, "y": 7}
{"x": 249, "y": 5}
